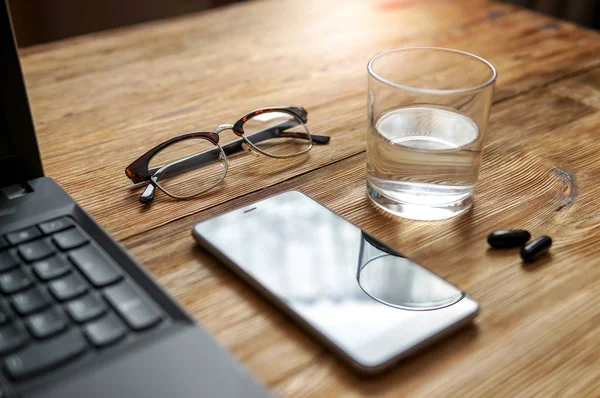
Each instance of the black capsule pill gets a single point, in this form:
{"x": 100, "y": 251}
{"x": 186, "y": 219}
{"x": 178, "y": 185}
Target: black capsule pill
{"x": 535, "y": 249}
{"x": 508, "y": 238}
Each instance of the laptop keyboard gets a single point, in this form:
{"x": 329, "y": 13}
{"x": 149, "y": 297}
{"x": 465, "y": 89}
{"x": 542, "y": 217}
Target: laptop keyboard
{"x": 61, "y": 296}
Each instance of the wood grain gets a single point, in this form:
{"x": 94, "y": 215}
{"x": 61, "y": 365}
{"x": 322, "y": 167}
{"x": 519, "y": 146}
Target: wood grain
{"x": 99, "y": 101}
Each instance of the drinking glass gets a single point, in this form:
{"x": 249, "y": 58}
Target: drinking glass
{"x": 428, "y": 110}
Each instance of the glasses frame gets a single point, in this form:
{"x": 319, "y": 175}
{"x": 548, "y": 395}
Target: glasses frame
{"x": 139, "y": 171}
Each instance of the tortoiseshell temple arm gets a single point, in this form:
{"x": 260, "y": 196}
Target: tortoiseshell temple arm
{"x": 205, "y": 157}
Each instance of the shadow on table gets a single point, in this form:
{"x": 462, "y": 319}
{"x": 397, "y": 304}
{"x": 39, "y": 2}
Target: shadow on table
{"x": 540, "y": 263}
{"x": 436, "y": 356}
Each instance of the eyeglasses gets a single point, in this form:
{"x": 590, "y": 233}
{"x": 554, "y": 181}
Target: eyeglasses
{"x": 193, "y": 163}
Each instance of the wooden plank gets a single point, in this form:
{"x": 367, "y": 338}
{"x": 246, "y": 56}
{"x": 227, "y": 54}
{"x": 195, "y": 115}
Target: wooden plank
{"x": 102, "y": 100}
{"x": 537, "y": 331}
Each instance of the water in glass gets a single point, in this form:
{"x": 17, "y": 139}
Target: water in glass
{"x": 424, "y": 158}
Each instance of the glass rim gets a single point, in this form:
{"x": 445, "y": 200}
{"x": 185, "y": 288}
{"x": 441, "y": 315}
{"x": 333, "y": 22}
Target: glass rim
{"x": 487, "y": 83}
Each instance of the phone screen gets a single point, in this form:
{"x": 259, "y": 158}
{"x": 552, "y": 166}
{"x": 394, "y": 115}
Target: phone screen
{"x": 367, "y": 299}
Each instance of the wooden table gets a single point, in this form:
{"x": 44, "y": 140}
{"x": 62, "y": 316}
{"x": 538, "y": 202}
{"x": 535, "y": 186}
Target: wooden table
{"x": 99, "y": 101}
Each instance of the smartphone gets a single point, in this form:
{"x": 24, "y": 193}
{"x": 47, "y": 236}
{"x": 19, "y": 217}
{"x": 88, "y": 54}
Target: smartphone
{"x": 367, "y": 302}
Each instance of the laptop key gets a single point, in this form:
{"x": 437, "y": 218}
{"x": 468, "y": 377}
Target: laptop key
{"x": 105, "y": 331}
{"x": 69, "y": 239}
{"x": 24, "y": 235}
{"x": 35, "y": 250}
{"x": 46, "y": 355}
{"x": 137, "y": 312}
{"x": 30, "y": 301}
{"x": 99, "y": 270}
{"x": 51, "y": 268}
{"x": 85, "y": 308}
{"x": 67, "y": 287}
{"x": 11, "y": 338}
{"x": 14, "y": 281}
{"x": 3, "y": 245}
{"x": 46, "y": 324}
{"x": 7, "y": 261}
{"x": 53, "y": 226}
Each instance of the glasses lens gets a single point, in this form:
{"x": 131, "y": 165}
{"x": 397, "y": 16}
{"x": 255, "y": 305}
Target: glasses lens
{"x": 189, "y": 167}
{"x": 278, "y": 134}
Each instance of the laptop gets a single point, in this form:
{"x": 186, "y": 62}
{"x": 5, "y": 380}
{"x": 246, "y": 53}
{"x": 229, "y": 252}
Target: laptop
{"x": 78, "y": 316}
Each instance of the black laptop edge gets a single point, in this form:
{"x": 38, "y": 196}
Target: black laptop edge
{"x": 24, "y": 164}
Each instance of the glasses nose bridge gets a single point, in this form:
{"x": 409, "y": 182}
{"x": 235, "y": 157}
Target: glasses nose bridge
{"x": 223, "y": 127}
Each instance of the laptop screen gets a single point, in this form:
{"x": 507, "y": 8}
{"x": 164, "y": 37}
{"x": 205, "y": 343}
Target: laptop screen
{"x": 5, "y": 146}
{"x": 19, "y": 154}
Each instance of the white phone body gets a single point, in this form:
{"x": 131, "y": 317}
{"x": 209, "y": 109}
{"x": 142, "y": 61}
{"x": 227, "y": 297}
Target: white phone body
{"x": 368, "y": 303}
